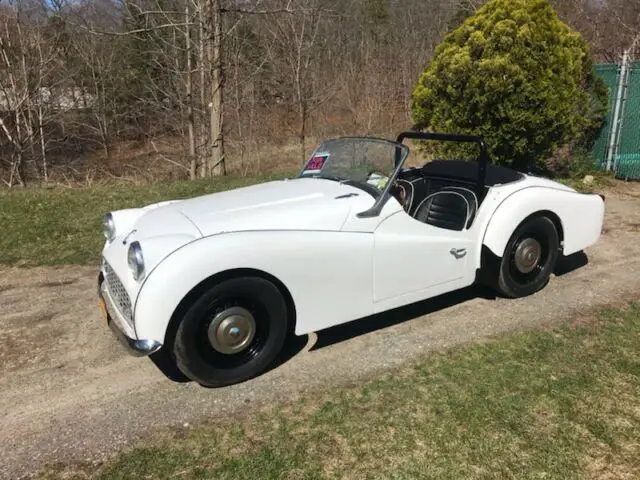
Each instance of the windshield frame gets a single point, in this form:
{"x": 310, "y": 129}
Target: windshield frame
{"x": 401, "y": 154}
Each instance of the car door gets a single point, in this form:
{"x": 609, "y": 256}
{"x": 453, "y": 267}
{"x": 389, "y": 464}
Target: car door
{"x": 414, "y": 261}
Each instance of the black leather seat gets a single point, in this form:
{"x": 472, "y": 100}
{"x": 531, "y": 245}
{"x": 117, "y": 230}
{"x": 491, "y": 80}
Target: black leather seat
{"x": 452, "y": 208}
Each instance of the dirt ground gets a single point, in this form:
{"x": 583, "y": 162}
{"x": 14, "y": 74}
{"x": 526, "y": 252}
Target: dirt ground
{"x": 69, "y": 392}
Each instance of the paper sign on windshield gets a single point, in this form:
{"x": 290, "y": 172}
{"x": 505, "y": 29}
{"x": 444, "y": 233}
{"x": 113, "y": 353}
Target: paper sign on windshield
{"x": 316, "y": 163}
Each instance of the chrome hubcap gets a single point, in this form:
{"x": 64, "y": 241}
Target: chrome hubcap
{"x": 527, "y": 255}
{"x": 232, "y": 330}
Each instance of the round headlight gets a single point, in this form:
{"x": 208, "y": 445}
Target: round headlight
{"x": 109, "y": 227}
{"x": 136, "y": 260}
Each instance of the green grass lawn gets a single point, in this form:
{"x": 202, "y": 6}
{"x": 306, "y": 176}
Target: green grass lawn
{"x": 559, "y": 404}
{"x": 47, "y": 226}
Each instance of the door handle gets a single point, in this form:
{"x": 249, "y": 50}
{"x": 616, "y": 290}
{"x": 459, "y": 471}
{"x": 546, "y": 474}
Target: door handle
{"x": 458, "y": 252}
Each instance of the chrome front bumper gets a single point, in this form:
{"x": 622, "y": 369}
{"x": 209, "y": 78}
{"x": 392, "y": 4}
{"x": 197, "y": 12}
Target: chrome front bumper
{"x": 120, "y": 327}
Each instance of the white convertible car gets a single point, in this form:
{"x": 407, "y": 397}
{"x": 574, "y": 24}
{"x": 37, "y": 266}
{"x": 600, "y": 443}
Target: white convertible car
{"x": 218, "y": 281}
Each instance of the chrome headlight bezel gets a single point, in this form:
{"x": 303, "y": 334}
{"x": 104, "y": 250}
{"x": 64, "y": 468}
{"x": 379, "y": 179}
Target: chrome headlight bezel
{"x": 135, "y": 259}
{"x": 109, "y": 227}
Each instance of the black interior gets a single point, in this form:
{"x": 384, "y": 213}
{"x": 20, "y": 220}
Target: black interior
{"x": 448, "y": 208}
{"x": 468, "y": 172}
{"x": 445, "y": 193}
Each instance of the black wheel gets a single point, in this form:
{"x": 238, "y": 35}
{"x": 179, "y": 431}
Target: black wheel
{"x": 529, "y": 258}
{"x": 232, "y": 333}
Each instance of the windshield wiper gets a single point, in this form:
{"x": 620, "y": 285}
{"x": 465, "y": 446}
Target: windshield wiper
{"x": 332, "y": 177}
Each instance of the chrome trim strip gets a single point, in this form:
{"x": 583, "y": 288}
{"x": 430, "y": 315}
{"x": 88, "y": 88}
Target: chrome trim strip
{"x": 118, "y": 325}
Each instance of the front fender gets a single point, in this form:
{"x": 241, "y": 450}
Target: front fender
{"x": 581, "y": 217}
{"x": 328, "y": 275}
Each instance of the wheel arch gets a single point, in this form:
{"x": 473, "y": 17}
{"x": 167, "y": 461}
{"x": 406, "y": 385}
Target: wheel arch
{"x": 500, "y": 229}
{"x": 222, "y": 276}
{"x": 557, "y": 222}
{"x": 490, "y": 260}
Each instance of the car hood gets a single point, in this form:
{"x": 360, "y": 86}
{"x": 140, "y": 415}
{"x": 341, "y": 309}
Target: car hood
{"x": 298, "y": 204}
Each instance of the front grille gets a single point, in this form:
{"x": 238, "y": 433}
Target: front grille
{"x": 117, "y": 291}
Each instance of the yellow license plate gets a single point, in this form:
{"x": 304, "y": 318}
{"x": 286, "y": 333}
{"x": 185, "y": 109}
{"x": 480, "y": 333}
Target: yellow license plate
{"x": 103, "y": 309}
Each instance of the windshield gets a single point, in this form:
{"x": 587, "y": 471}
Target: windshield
{"x": 363, "y": 162}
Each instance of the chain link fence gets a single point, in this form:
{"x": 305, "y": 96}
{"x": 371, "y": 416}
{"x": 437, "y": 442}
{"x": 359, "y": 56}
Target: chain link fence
{"x": 627, "y": 161}
{"x": 617, "y": 148}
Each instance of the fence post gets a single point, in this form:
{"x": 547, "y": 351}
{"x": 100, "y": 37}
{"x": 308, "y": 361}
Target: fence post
{"x": 616, "y": 121}
{"x": 621, "y": 125}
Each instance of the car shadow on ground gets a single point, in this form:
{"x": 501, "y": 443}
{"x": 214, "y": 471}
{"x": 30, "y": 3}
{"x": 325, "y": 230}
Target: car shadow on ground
{"x": 167, "y": 366}
{"x": 355, "y": 328}
{"x": 570, "y": 263}
{"x": 363, "y": 326}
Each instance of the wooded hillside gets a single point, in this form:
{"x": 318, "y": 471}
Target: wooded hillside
{"x": 138, "y": 90}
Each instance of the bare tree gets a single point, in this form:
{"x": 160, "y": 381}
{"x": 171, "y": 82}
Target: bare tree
{"x": 193, "y": 161}
{"x": 299, "y": 47}
{"x": 213, "y": 41}
{"x": 27, "y": 89}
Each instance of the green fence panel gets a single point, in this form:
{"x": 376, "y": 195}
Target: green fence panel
{"x": 628, "y": 158}
{"x": 628, "y": 166}
{"x": 608, "y": 72}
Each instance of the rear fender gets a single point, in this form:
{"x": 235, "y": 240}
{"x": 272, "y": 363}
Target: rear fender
{"x": 578, "y": 216}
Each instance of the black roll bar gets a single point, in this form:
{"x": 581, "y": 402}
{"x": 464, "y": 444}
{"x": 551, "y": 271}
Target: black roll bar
{"x": 483, "y": 160}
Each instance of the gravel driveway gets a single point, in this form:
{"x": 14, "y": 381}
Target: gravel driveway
{"x": 70, "y": 393}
